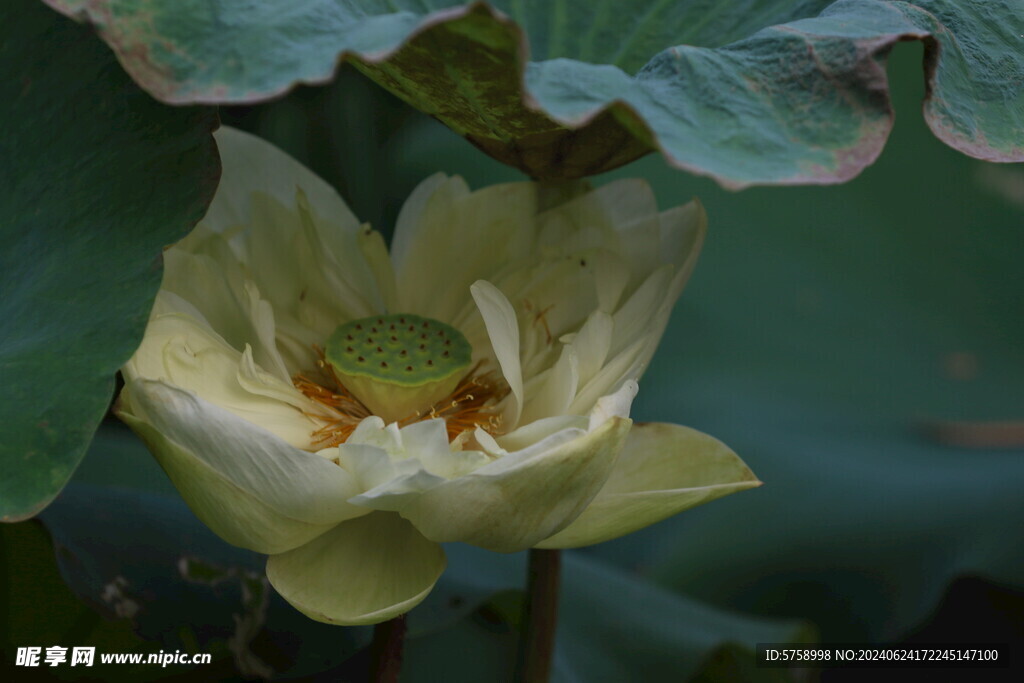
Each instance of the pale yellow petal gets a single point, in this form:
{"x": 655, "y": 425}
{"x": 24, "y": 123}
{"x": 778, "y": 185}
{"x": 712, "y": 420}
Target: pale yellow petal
{"x": 551, "y": 392}
{"x": 248, "y": 486}
{"x": 663, "y": 469}
{"x": 473, "y": 234}
{"x": 503, "y": 332}
{"x": 363, "y": 571}
{"x": 592, "y": 344}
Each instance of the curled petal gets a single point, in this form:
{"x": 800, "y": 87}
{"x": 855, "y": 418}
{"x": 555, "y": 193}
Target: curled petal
{"x": 527, "y": 435}
{"x": 614, "y": 405}
{"x": 363, "y": 571}
{"x": 214, "y": 285}
{"x": 182, "y": 351}
{"x": 663, "y": 469}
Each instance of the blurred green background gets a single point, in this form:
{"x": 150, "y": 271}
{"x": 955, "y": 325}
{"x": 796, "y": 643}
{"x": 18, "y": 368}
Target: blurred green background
{"x": 848, "y": 342}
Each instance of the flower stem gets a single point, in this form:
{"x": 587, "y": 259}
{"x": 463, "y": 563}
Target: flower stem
{"x": 540, "y": 616}
{"x": 386, "y": 650}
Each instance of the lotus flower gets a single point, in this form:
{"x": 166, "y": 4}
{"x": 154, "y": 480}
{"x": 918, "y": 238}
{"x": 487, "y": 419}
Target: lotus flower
{"x": 346, "y": 410}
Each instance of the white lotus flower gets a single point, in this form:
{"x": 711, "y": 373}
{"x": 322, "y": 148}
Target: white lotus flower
{"x": 345, "y": 410}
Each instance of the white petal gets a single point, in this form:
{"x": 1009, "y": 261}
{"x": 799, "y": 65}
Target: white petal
{"x": 517, "y": 500}
{"x": 527, "y": 435}
{"x": 474, "y": 235}
{"x": 629, "y": 364}
{"x": 683, "y": 229}
{"x": 626, "y": 200}
{"x": 611, "y": 278}
{"x": 633, "y": 320}
{"x": 254, "y": 380}
{"x": 375, "y": 251}
{"x": 250, "y": 487}
{"x": 592, "y": 344}
{"x": 637, "y": 329}
{"x": 503, "y": 331}
{"x": 408, "y": 224}
{"x": 613, "y": 405}
{"x": 309, "y": 266}
{"x": 551, "y": 393}
{"x": 641, "y": 245}
{"x": 427, "y": 441}
{"x": 250, "y": 165}
{"x": 182, "y": 352}
{"x": 389, "y": 460}
{"x": 228, "y": 302}
{"x": 373, "y": 432}
{"x": 487, "y": 443}
{"x": 554, "y": 296}
{"x": 375, "y": 470}
{"x": 296, "y": 239}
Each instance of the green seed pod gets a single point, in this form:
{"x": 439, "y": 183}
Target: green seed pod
{"x": 398, "y": 364}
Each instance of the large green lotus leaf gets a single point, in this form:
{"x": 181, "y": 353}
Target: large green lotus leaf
{"x": 745, "y": 91}
{"x": 96, "y": 178}
{"x": 856, "y": 348}
{"x": 854, "y": 345}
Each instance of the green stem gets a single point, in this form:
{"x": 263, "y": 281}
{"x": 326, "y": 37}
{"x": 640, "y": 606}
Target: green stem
{"x": 386, "y": 650}
{"x": 540, "y": 617}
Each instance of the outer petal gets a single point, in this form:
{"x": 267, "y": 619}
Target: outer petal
{"x": 254, "y": 165}
{"x": 363, "y": 571}
{"x": 663, "y": 469}
{"x": 519, "y": 499}
{"x": 250, "y": 487}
